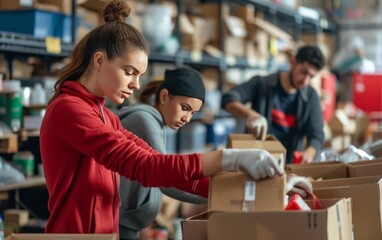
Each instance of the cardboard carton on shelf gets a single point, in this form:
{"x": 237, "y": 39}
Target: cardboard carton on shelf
{"x": 9, "y": 143}
{"x": 341, "y": 124}
{"x": 17, "y": 4}
{"x": 365, "y": 193}
{"x": 333, "y": 222}
{"x": 338, "y": 143}
{"x": 16, "y": 217}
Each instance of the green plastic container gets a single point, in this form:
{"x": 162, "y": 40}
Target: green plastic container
{"x": 11, "y": 110}
{"x": 25, "y": 162}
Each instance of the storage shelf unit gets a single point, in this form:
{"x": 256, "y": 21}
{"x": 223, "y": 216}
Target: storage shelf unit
{"x": 288, "y": 16}
{"x": 24, "y": 44}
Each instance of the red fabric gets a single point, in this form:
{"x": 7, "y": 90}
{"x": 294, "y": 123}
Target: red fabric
{"x": 199, "y": 187}
{"x": 297, "y": 157}
{"x": 81, "y": 153}
{"x": 282, "y": 119}
{"x": 328, "y": 82}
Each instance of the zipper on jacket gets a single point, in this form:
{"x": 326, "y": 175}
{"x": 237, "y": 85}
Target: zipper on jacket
{"x": 102, "y": 113}
{"x": 114, "y": 174}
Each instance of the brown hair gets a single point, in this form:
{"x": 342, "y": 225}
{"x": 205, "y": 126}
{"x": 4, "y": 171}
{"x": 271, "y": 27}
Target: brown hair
{"x": 115, "y": 37}
{"x": 150, "y": 89}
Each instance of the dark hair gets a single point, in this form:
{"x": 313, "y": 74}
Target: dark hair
{"x": 311, "y": 55}
{"x": 115, "y": 37}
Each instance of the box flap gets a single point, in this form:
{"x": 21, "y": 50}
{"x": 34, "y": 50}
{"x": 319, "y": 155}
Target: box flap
{"x": 327, "y": 170}
{"x": 271, "y": 144}
{"x": 272, "y": 29}
{"x": 366, "y": 162}
{"x": 365, "y": 168}
{"x": 365, "y": 193}
{"x": 346, "y": 182}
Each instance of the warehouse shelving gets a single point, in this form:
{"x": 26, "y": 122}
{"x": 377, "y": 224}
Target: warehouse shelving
{"x": 13, "y": 44}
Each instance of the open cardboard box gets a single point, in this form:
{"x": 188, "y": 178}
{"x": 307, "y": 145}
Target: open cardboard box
{"x": 195, "y": 227}
{"x": 325, "y": 170}
{"x": 228, "y": 192}
{"x": 365, "y": 168}
{"x": 271, "y": 144}
{"x": 365, "y": 193}
{"x": 237, "y": 192}
{"x": 333, "y": 222}
{"x": 30, "y": 236}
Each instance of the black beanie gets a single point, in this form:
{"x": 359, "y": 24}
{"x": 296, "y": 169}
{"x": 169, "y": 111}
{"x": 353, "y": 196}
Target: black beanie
{"x": 185, "y": 82}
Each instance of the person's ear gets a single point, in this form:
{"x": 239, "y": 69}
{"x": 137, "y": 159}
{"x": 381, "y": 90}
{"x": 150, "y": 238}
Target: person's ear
{"x": 98, "y": 60}
{"x": 163, "y": 95}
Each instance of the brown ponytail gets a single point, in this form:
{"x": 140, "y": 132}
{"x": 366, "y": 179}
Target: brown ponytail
{"x": 115, "y": 37}
{"x": 150, "y": 89}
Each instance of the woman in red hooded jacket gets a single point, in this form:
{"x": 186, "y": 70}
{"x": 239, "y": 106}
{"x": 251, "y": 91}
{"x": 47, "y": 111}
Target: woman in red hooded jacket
{"x": 84, "y": 147}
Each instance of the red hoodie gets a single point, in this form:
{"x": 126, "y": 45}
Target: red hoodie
{"x": 82, "y": 146}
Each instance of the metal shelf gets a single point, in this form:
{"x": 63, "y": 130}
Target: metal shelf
{"x": 185, "y": 57}
{"x": 23, "y": 44}
{"x": 161, "y": 57}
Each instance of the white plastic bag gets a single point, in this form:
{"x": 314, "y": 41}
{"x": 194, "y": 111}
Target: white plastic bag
{"x": 9, "y": 174}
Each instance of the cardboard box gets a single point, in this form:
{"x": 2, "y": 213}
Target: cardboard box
{"x": 227, "y": 190}
{"x": 236, "y": 192}
{"x": 64, "y": 6}
{"x": 195, "y": 227}
{"x": 235, "y": 46}
{"x": 16, "y": 4}
{"x": 365, "y": 168}
{"x": 326, "y": 170}
{"x": 9, "y": 143}
{"x": 17, "y": 217}
{"x": 339, "y": 143}
{"x": 365, "y": 193}
{"x": 331, "y": 223}
{"x": 24, "y": 236}
{"x": 271, "y": 144}
{"x": 340, "y": 123}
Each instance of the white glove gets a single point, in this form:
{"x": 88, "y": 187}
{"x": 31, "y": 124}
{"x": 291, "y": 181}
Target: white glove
{"x": 299, "y": 185}
{"x": 258, "y": 125}
{"x": 256, "y": 162}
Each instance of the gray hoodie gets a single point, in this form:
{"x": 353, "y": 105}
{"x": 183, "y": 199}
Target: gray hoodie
{"x": 140, "y": 205}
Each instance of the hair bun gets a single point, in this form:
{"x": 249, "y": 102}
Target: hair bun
{"x": 116, "y": 11}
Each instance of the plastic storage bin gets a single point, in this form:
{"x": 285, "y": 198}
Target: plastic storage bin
{"x": 38, "y": 23}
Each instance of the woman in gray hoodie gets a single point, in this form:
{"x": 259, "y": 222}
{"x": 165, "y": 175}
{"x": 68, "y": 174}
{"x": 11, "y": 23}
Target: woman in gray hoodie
{"x": 176, "y": 99}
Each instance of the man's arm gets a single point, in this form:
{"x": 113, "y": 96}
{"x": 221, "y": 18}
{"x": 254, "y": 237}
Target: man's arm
{"x": 315, "y": 129}
{"x": 234, "y": 102}
{"x": 238, "y": 109}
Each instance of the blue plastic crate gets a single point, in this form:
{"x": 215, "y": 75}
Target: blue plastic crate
{"x": 38, "y": 23}
{"x": 65, "y": 28}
